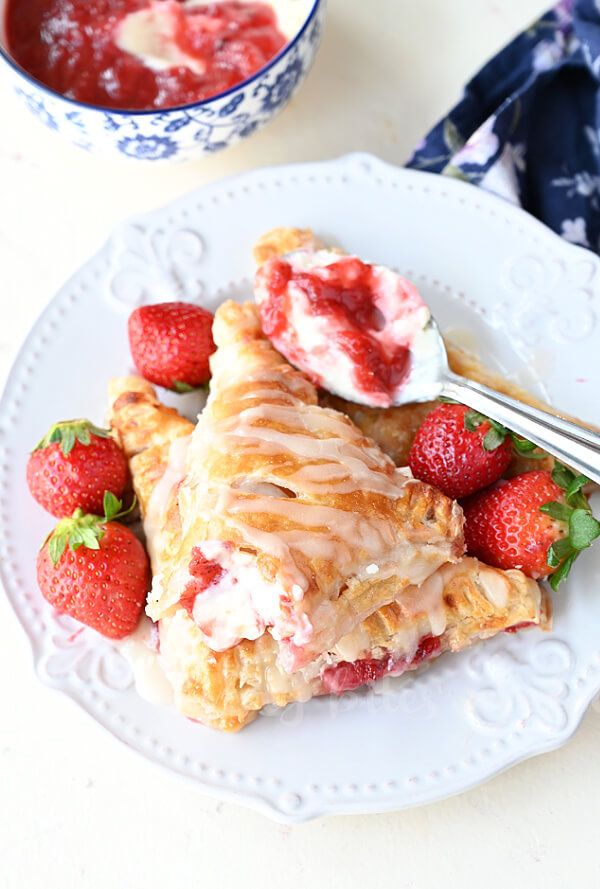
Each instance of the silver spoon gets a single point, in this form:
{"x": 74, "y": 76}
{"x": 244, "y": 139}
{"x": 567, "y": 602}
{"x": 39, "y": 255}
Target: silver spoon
{"x": 571, "y": 443}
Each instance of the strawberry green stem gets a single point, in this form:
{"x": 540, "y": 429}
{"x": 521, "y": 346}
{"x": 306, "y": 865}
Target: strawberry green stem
{"x": 84, "y": 529}
{"x": 67, "y": 432}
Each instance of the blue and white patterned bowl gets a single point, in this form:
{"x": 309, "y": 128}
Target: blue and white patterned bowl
{"x": 174, "y": 134}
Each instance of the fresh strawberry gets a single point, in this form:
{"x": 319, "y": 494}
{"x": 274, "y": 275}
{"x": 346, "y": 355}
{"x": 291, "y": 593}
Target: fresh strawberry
{"x": 171, "y": 343}
{"x": 73, "y": 465}
{"x": 538, "y": 522}
{"x": 459, "y": 451}
{"x": 95, "y": 570}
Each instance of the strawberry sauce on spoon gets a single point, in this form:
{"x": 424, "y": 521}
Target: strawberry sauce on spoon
{"x": 362, "y": 332}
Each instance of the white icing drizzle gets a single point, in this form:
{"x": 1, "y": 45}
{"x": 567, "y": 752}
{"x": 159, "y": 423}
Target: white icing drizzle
{"x": 354, "y": 645}
{"x": 159, "y": 499}
{"x": 145, "y": 661}
{"x": 494, "y": 585}
{"x": 428, "y": 599}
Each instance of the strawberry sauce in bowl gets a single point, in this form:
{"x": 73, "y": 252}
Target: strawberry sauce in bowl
{"x": 157, "y": 80}
{"x": 138, "y": 54}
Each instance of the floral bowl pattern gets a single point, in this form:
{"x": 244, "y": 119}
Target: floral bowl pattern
{"x": 182, "y": 133}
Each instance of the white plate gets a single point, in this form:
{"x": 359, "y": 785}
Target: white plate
{"x": 482, "y": 265}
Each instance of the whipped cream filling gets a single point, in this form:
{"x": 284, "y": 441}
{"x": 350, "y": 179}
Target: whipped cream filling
{"x": 239, "y": 604}
{"x": 163, "y": 490}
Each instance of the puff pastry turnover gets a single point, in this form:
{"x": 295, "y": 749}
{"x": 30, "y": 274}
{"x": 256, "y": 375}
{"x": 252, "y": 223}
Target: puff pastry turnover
{"x": 286, "y": 516}
{"x": 456, "y": 606}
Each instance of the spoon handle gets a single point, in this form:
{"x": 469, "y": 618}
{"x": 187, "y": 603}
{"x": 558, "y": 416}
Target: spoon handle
{"x": 572, "y": 444}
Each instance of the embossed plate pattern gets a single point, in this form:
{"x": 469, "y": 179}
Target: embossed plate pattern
{"x": 529, "y": 297}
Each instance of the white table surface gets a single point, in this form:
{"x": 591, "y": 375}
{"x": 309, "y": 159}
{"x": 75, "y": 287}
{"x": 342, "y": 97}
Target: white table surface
{"x": 78, "y": 809}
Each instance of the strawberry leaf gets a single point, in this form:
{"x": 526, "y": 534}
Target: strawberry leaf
{"x": 522, "y": 445}
{"x": 572, "y": 484}
{"x": 77, "y": 531}
{"x": 583, "y": 528}
{"x": 559, "y": 550}
{"x": 112, "y": 505}
{"x": 495, "y": 435}
{"x": 492, "y": 439}
{"x": 75, "y": 536}
{"x": 82, "y": 434}
{"x": 181, "y": 388}
{"x": 473, "y": 419}
{"x": 57, "y": 545}
{"x": 112, "y": 508}
{"x": 556, "y": 510}
{"x": 563, "y": 572}
{"x": 575, "y": 496}
{"x": 562, "y": 476}
{"x": 67, "y": 441}
{"x": 90, "y": 537}
{"x": 525, "y": 448}
{"x": 67, "y": 432}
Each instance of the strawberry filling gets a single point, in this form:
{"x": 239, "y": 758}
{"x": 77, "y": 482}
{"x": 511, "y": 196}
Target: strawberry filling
{"x": 205, "y": 572}
{"x": 520, "y": 626}
{"x": 78, "y": 48}
{"x": 347, "y": 294}
{"x": 346, "y": 676}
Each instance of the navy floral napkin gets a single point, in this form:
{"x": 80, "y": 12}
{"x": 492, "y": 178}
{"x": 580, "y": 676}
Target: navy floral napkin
{"x": 527, "y": 126}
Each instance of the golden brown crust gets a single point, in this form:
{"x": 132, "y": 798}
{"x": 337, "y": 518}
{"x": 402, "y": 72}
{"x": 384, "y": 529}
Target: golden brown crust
{"x": 139, "y": 418}
{"x": 146, "y": 429}
{"x": 283, "y": 240}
